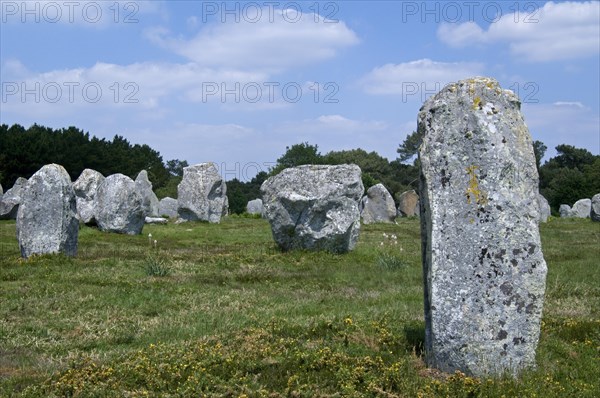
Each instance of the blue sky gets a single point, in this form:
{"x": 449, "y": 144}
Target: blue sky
{"x": 237, "y": 82}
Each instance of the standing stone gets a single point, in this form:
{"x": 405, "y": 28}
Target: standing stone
{"x": 378, "y": 206}
{"x": 9, "y": 205}
{"x": 314, "y": 207}
{"x": 484, "y": 272}
{"x": 408, "y": 203}
{"x": 595, "y": 211}
{"x": 167, "y": 207}
{"x": 1, "y": 192}
{"x": 149, "y": 199}
{"x": 47, "y": 219}
{"x": 255, "y": 207}
{"x": 582, "y": 208}
{"x": 85, "y": 188}
{"x": 565, "y": 211}
{"x": 544, "y": 208}
{"x": 119, "y": 206}
{"x": 202, "y": 194}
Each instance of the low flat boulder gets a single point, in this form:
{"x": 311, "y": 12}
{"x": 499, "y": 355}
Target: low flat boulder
{"x": 582, "y": 208}
{"x": 314, "y": 207}
{"x": 119, "y": 206}
{"x": 47, "y": 220}
{"x": 565, "y": 211}
{"x": 155, "y": 220}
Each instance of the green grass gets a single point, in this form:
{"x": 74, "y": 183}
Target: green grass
{"x": 233, "y": 316}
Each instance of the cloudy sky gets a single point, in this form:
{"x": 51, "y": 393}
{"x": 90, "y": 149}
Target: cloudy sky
{"x": 237, "y": 82}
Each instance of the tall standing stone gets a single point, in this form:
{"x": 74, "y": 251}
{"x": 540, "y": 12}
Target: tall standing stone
{"x": 167, "y": 207}
{"x": 484, "y": 272}
{"x": 47, "y": 220}
{"x": 150, "y": 202}
{"x": 119, "y": 206}
{"x": 544, "y": 208}
{"x": 255, "y": 206}
{"x": 85, "y": 188}
{"x": 378, "y": 205}
{"x": 202, "y": 194}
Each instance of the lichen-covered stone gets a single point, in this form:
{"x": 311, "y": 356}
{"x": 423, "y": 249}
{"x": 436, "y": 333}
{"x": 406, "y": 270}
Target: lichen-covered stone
{"x": 47, "y": 220}
{"x": 314, "y": 207}
{"x": 85, "y": 188}
{"x": 202, "y": 194}
{"x": 544, "y": 208}
{"x": 119, "y": 206}
{"x": 408, "y": 203}
{"x": 582, "y": 208}
{"x": 484, "y": 272}
{"x": 595, "y": 210}
{"x": 149, "y": 199}
{"x": 9, "y": 205}
{"x": 378, "y": 206}
{"x": 255, "y": 206}
{"x": 167, "y": 207}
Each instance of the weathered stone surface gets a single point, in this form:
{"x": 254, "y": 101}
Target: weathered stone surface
{"x": 149, "y": 199}
{"x": 544, "y": 208}
{"x": 202, "y": 194}
{"x": 47, "y": 220}
{"x": 378, "y": 206}
{"x": 565, "y": 211}
{"x": 582, "y": 208}
{"x": 255, "y": 206}
{"x": 408, "y": 203}
{"x": 85, "y": 188}
{"x": 9, "y": 205}
{"x": 168, "y": 207}
{"x": 314, "y": 207}
{"x": 484, "y": 272}
{"x": 595, "y": 211}
{"x": 119, "y": 206}
{"x": 155, "y": 220}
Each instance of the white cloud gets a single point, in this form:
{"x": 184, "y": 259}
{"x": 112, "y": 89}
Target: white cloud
{"x": 265, "y": 44}
{"x": 556, "y": 31}
{"x": 564, "y": 122}
{"x": 416, "y": 80}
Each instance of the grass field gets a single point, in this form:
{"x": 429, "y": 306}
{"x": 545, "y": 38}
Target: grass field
{"x": 217, "y": 310}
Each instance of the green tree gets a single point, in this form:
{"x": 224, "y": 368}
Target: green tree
{"x": 539, "y": 149}
{"x": 297, "y": 155}
{"x": 175, "y": 167}
{"x": 410, "y": 147}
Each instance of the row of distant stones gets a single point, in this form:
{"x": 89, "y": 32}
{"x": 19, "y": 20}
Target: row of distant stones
{"x": 483, "y": 268}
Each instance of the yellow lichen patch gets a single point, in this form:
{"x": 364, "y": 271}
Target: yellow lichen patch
{"x": 476, "y": 102}
{"x": 474, "y": 193}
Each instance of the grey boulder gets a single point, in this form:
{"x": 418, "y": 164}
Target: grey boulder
{"x": 484, "y": 271}
{"x": 119, "y": 206}
{"x": 378, "y": 206}
{"x": 314, "y": 207}
{"x": 9, "y": 205}
{"x": 202, "y": 194}
{"x": 149, "y": 200}
{"x": 408, "y": 203}
{"x": 47, "y": 220}
{"x": 255, "y": 207}
{"x": 544, "y": 208}
{"x": 582, "y": 208}
{"x": 85, "y": 188}
{"x": 565, "y": 211}
{"x": 595, "y": 211}
{"x": 155, "y": 220}
{"x": 167, "y": 207}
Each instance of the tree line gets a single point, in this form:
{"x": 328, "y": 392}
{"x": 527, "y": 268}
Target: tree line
{"x": 573, "y": 174}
